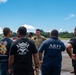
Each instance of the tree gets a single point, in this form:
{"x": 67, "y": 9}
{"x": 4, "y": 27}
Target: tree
{"x": 14, "y": 34}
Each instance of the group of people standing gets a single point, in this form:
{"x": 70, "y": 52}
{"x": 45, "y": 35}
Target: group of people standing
{"x": 27, "y": 55}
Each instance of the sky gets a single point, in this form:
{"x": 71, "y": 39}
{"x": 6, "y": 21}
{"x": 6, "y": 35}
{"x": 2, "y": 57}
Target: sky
{"x": 38, "y": 14}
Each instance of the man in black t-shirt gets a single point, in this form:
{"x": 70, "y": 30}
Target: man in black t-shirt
{"x": 5, "y": 44}
{"x": 72, "y": 45}
{"x": 21, "y": 55}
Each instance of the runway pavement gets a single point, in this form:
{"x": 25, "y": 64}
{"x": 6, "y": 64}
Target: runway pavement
{"x": 66, "y": 64}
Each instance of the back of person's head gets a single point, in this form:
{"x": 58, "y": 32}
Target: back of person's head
{"x": 22, "y": 30}
{"x": 54, "y": 33}
{"x": 6, "y": 31}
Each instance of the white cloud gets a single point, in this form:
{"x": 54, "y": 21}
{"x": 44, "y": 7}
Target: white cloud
{"x": 70, "y": 16}
{"x": 30, "y": 28}
{"x": 60, "y": 30}
{"x": 3, "y": 1}
{"x": 1, "y": 30}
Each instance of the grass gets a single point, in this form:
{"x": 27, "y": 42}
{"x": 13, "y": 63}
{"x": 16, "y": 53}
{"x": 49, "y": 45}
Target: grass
{"x": 65, "y": 38}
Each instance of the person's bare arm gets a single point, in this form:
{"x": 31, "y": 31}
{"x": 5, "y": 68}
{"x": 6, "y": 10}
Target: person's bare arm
{"x": 40, "y": 58}
{"x": 36, "y": 61}
{"x": 10, "y": 63}
{"x": 69, "y": 49}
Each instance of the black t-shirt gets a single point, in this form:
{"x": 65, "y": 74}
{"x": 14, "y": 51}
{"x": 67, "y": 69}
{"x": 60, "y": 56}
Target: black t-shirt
{"x": 5, "y": 44}
{"x": 73, "y": 43}
{"x": 23, "y": 49}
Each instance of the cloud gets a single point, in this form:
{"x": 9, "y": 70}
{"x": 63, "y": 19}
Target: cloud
{"x": 3, "y": 1}
{"x": 30, "y": 28}
{"x": 70, "y": 16}
{"x": 60, "y": 30}
{"x": 1, "y": 30}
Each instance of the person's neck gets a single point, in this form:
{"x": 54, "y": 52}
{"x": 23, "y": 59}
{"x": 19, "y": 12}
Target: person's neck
{"x": 38, "y": 35}
{"x": 54, "y": 37}
{"x": 22, "y": 37}
{"x": 6, "y": 36}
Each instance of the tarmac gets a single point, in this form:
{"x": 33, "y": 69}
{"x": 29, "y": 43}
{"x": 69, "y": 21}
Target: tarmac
{"x": 66, "y": 64}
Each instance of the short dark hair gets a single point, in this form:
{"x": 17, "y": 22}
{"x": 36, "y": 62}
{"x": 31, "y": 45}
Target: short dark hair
{"x": 37, "y": 29}
{"x": 54, "y": 33}
{"x": 22, "y": 30}
{"x": 6, "y": 30}
{"x": 30, "y": 34}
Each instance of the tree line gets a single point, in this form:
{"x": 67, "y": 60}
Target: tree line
{"x": 64, "y": 34}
